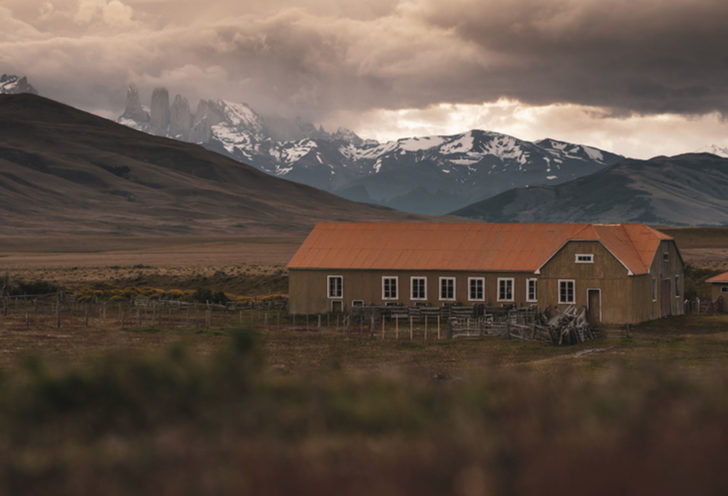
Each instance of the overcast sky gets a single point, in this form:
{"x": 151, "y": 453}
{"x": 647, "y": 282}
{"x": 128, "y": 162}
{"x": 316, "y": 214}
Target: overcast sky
{"x": 639, "y": 77}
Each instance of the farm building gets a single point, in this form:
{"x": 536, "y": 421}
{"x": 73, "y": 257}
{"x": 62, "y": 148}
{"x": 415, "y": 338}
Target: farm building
{"x": 623, "y": 273}
{"x": 719, "y": 289}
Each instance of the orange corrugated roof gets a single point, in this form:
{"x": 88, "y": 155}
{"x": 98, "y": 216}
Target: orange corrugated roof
{"x": 720, "y": 278}
{"x": 465, "y": 246}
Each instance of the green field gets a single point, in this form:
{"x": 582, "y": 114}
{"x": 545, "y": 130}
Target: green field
{"x": 189, "y": 411}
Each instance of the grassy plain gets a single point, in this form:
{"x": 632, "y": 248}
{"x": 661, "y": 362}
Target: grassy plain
{"x": 185, "y": 411}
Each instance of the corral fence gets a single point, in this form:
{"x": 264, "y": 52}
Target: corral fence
{"x": 60, "y": 310}
{"x": 706, "y": 306}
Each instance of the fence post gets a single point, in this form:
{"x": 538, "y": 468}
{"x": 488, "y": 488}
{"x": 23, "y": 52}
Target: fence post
{"x": 382, "y": 326}
{"x": 411, "y": 330}
{"x": 58, "y": 310}
{"x": 438, "y": 326}
{"x": 266, "y": 321}
{"x": 85, "y": 315}
{"x": 396, "y": 326}
{"x": 35, "y": 313}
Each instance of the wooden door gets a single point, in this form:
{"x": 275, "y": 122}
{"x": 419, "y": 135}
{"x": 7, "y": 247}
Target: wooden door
{"x": 594, "y": 306}
{"x": 666, "y": 292}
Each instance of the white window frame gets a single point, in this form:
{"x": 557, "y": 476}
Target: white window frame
{"x": 470, "y": 288}
{"x": 535, "y": 290}
{"x": 328, "y": 287}
{"x": 396, "y": 288}
{"x": 654, "y": 289}
{"x": 573, "y": 291}
{"x": 412, "y": 286}
{"x": 439, "y": 287}
{"x": 357, "y": 303}
{"x": 588, "y": 258}
{"x": 513, "y": 287}
{"x": 676, "y": 280}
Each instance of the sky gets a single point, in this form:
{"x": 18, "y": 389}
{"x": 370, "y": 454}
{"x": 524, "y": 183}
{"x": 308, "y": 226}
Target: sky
{"x": 637, "y": 77}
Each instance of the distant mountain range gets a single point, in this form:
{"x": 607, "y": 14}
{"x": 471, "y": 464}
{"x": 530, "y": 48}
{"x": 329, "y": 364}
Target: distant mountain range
{"x": 689, "y": 189}
{"x": 63, "y": 170}
{"x": 433, "y": 174}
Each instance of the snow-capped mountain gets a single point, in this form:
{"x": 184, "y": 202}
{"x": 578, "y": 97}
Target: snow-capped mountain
{"x": 432, "y": 174}
{"x": 11, "y": 84}
{"x": 721, "y": 151}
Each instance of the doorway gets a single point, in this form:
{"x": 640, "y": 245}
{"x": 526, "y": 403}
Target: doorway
{"x": 594, "y": 306}
{"x": 337, "y": 306}
{"x": 665, "y": 294}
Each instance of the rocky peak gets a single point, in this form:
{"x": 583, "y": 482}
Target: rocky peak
{"x": 133, "y": 109}
{"x": 160, "y": 111}
{"x": 180, "y": 118}
{"x": 11, "y": 84}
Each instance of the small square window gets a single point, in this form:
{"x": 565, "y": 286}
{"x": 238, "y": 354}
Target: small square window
{"x": 335, "y": 286}
{"x": 566, "y": 291}
{"x": 476, "y": 288}
{"x": 357, "y": 303}
{"x": 584, "y": 258}
{"x": 447, "y": 288}
{"x": 505, "y": 289}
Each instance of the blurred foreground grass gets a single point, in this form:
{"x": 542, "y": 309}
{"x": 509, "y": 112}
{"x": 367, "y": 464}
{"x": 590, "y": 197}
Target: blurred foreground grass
{"x": 307, "y": 414}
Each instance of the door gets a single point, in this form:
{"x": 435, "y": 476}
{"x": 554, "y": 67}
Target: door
{"x": 665, "y": 294}
{"x": 594, "y": 306}
{"x": 337, "y": 306}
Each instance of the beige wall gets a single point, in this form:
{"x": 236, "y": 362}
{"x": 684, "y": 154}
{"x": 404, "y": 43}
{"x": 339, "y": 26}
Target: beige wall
{"x": 720, "y": 290}
{"x": 659, "y": 271}
{"x": 308, "y": 290}
{"x": 624, "y": 298}
{"x": 606, "y": 274}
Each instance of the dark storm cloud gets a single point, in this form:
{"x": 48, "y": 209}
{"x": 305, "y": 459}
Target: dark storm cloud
{"x": 318, "y": 57}
{"x": 649, "y": 56}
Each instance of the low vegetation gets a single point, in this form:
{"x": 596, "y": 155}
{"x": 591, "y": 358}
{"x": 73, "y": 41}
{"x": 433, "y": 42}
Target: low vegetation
{"x": 230, "y": 411}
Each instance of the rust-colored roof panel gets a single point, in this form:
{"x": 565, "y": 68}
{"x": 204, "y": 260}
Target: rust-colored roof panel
{"x": 464, "y": 246}
{"x": 720, "y": 278}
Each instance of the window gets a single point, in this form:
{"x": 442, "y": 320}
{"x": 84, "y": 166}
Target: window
{"x": 724, "y": 289}
{"x": 505, "y": 289}
{"x": 654, "y": 289}
{"x": 666, "y": 257}
{"x": 677, "y": 286}
{"x": 447, "y": 288}
{"x": 336, "y": 286}
{"x": 566, "y": 291}
{"x": 389, "y": 288}
{"x": 419, "y": 288}
{"x": 584, "y": 258}
{"x": 357, "y": 303}
{"x": 476, "y": 290}
{"x": 531, "y": 290}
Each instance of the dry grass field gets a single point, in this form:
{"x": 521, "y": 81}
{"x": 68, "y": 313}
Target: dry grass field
{"x": 190, "y": 411}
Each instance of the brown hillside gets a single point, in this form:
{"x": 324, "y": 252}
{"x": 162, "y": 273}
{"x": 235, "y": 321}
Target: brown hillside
{"x": 66, "y": 171}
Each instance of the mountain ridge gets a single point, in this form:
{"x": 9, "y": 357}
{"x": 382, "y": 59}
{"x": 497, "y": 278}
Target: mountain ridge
{"x": 429, "y": 174}
{"x": 687, "y": 189}
{"x": 63, "y": 170}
